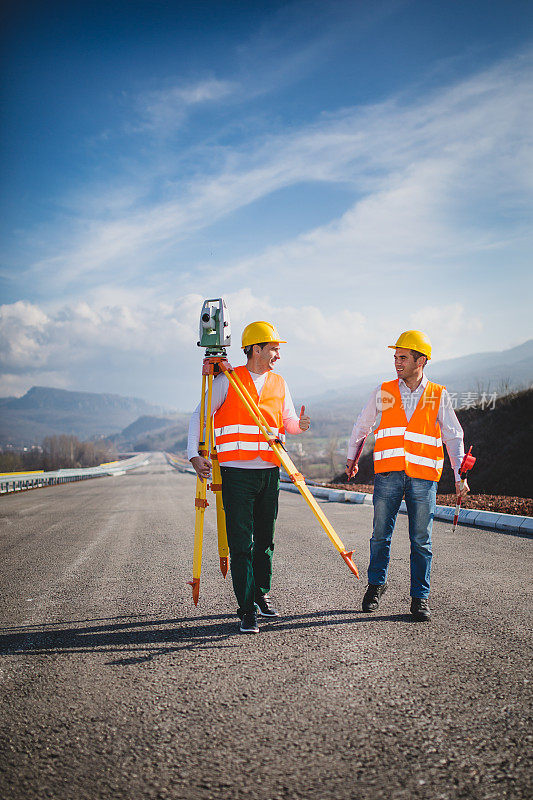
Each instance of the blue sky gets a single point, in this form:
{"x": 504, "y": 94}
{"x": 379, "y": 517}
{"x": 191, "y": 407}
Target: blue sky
{"x": 346, "y": 170}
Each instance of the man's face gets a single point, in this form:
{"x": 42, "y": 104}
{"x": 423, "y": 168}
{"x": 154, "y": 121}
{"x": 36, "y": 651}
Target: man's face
{"x": 269, "y": 355}
{"x": 406, "y": 366}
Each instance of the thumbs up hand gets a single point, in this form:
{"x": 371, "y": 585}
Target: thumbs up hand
{"x": 305, "y": 421}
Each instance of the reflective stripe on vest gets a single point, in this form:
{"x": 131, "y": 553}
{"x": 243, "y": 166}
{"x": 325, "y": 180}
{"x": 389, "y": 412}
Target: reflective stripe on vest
{"x": 415, "y": 446}
{"x": 237, "y": 438}
{"x": 411, "y": 436}
{"x": 425, "y": 462}
{"x": 390, "y": 432}
{"x": 397, "y": 452}
{"x": 253, "y": 446}
{"x": 226, "y": 430}
{"x": 243, "y": 437}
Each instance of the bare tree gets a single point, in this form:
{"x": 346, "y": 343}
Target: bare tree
{"x": 68, "y": 452}
{"x": 331, "y": 452}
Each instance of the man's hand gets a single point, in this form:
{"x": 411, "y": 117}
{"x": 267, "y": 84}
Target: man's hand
{"x": 351, "y": 469}
{"x": 461, "y": 492}
{"x": 202, "y": 466}
{"x": 305, "y": 421}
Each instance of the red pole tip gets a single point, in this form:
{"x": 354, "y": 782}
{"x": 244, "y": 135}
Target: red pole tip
{"x": 347, "y": 556}
{"x": 195, "y": 583}
{"x": 224, "y": 566}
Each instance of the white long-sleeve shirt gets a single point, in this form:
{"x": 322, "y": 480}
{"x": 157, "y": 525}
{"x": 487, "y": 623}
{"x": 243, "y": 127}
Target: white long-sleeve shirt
{"x": 451, "y": 431}
{"x": 291, "y": 421}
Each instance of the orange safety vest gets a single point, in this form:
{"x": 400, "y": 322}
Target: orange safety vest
{"x": 237, "y": 437}
{"x": 415, "y": 446}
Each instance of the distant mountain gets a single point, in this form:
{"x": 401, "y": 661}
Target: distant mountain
{"x": 145, "y": 425}
{"x": 154, "y": 433}
{"x": 498, "y": 371}
{"x": 43, "y": 411}
{"x": 136, "y": 424}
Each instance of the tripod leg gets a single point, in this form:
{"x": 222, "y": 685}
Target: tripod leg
{"x": 299, "y": 481}
{"x": 200, "y": 505}
{"x": 216, "y": 487}
{"x": 200, "y": 501}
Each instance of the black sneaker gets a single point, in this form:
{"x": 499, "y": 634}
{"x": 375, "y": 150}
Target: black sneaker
{"x": 372, "y": 596}
{"x": 420, "y": 610}
{"x": 249, "y": 623}
{"x": 264, "y": 607}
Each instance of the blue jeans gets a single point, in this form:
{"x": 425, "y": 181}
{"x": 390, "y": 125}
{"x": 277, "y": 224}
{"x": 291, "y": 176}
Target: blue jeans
{"x": 420, "y": 499}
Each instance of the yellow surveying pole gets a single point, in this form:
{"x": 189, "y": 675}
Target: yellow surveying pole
{"x": 296, "y": 477}
{"x": 216, "y": 487}
{"x": 200, "y": 501}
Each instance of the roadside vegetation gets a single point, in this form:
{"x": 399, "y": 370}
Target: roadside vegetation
{"x": 57, "y": 452}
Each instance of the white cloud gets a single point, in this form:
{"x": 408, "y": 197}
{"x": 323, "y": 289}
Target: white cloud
{"x": 446, "y": 327}
{"x": 423, "y": 171}
{"x": 148, "y": 349}
{"x": 436, "y": 183}
{"x": 34, "y": 340}
{"x": 23, "y": 336}
{"x": 166, "y": 109}
{"x": 152, "y": 337}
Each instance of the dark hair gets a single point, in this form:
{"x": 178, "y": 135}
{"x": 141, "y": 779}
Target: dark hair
{"x": 416, "y": 355}
{"x": 249, "y": 347}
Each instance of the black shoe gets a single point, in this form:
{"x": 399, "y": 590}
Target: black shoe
{"x": 264, "y": 607}
{"x": 420, "y": 610}
{"x": 249, "y": 623}
{"x": 372, "y": 596}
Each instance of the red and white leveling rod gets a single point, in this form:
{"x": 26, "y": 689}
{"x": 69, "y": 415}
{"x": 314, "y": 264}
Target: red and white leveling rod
{"x": 466, "y": 464}
{"x": 351, "y": 468}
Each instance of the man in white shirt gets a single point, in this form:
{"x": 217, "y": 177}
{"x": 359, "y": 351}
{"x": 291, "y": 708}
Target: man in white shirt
{"x": 249, "y": 469}
{"x": 416, "y": 418}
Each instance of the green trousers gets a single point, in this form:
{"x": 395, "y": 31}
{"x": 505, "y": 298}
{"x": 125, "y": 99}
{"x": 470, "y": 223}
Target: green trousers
{"x": 250, "y": 498}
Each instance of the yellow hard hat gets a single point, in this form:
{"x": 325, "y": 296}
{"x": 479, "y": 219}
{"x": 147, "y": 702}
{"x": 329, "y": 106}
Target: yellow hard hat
{"x": 414, "y": 340}
{"x": 257, "y": 332}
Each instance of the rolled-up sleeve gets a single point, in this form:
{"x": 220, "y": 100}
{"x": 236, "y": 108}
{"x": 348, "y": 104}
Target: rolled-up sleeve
{"x": 363, "y": 424}
{"x": 291, "y": 421}
{"x": 451, "y": 432}
{"x": 219, "y": 394}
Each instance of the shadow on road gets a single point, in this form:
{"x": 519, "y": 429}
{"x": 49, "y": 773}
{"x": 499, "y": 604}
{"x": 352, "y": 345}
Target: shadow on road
{"x": 143, "y": 635}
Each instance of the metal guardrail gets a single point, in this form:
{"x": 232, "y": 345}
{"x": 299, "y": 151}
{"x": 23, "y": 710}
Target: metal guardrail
{"x": 181, "y": 464}
{"x": 22, "y": 481}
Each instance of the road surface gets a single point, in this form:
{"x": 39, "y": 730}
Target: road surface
{"x": 113, "y": 685}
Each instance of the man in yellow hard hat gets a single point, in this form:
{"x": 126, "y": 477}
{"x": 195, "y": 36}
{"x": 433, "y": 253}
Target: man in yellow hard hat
{"x": 416, "y": 418}
{"x": 250, "y": 471}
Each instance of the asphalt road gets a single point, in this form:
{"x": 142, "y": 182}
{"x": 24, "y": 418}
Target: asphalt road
{"x": 113, "y": 685}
